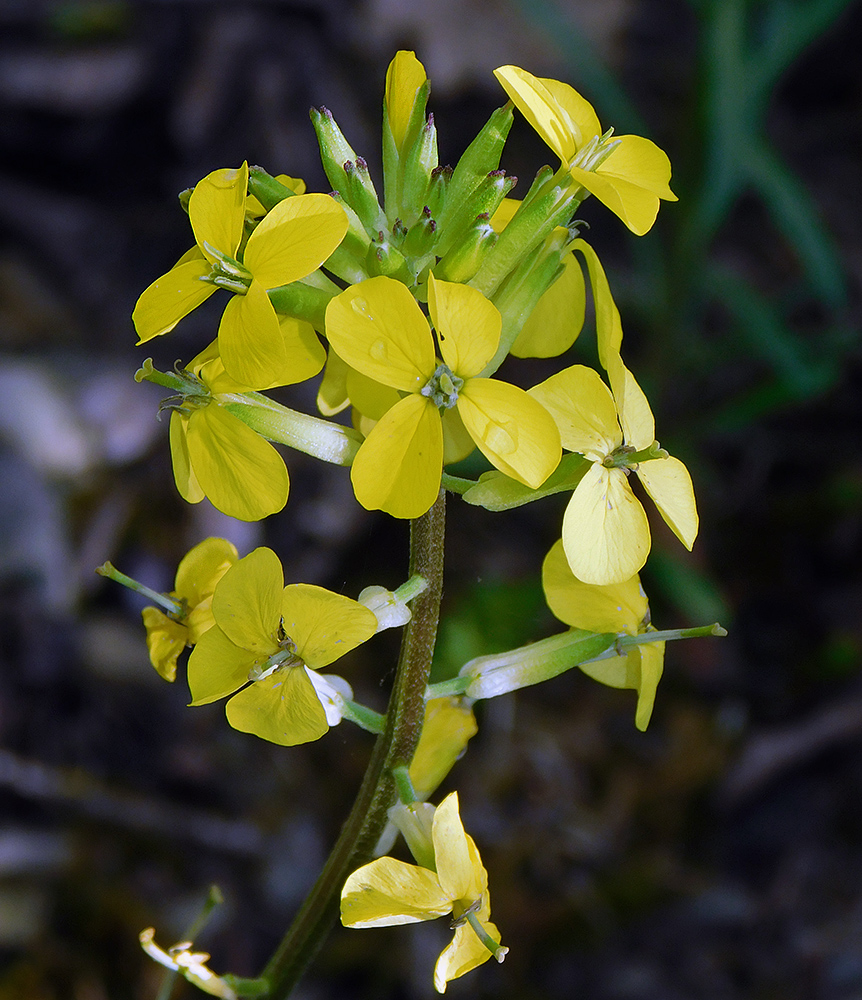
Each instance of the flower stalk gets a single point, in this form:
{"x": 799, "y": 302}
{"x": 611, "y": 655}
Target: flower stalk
{"x": 394, "y": 747}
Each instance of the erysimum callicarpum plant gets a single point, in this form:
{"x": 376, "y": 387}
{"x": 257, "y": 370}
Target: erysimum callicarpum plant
{"x": 409, "y": 305}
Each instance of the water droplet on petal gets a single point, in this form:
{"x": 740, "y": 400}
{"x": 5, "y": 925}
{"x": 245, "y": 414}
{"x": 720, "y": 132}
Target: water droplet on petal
{"x": 379, "y": 350}
{"x": 360, "y": 305}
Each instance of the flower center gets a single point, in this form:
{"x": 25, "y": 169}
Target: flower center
{"x": 443, "y": 387}
{"x": 285, "y": 658}
{"x": 596, "y": 151}
{"x": 227, "y": 272}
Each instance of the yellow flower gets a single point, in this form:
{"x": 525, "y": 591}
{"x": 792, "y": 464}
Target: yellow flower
{"x": 291, "y": 241}
{"x": 388, "y": 891}
{"x": 216, "y": 455}
{"x": 617, "y": 607}
{"x": 606, "y": 535}
{"x": 629, "y": 180}
{"x": 378, "y": 328}
{"x": 277, "y": 638}
{"x": 197, "y": 575}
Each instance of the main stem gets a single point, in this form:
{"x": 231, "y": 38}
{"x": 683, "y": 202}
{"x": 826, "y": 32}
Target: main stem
{"x": 394, "y": 748}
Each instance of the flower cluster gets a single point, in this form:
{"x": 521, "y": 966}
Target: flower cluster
{"x": 409, "y": 305}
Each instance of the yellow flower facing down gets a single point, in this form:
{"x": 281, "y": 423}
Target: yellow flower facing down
{"x": 215, "y": 455}
{"x": 629, "y": 180}
{"x": 387, "y": 892}
{"x": 268, "y": 643}
{"x": 618, "y": 607}
{"x": 290, "y": 242}
{"x": 378, "y": 329}
{"x": 199, "y": 571}
{"x": 606, "y": 535}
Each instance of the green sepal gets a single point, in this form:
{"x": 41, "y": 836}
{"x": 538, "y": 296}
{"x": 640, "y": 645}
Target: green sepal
{"x": 497, "y": 491}
{"x": 302, "y": 301}
{"x": 385, "y": 258}
{"x": 184, "y": 198}
{"x": 335, "y": 150}
{"x": 438, "y": 188}
{"x": 479, "y": 159}
{"x": 500, "y": 673}
{"x": 421, "y": 236}
{"x": 362, "y": 196}
{"x": 416, "y": 169}
{"x": 268, "y": 191}
{"x": 247, "y": 989}
{"x": 465, "y": 259}
{"x": 483, "y": 200}
{"x": 323, "y": 439}
{"x": 554, "y": 205}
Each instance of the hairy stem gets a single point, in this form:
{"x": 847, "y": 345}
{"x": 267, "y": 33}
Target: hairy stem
{"x": 395, "y": 747}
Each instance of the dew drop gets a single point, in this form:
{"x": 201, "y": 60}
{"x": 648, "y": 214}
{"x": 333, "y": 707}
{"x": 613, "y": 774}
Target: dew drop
{"x": 502, "y": 440}
{"x": 379, "y": 351}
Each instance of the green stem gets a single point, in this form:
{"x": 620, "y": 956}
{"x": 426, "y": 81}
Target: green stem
{"x": 171, "y": 606}
{"x": 394, "y": 747}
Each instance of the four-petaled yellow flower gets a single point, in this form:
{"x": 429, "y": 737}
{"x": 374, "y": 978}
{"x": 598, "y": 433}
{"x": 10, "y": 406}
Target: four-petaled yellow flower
{"x": 290, "y": 242}
{"x": 606, "y": 535}
{"x": 216, "y": 455}
{"x": 270, "y": 640}
{"x": 388, "y": 891}
{"x": 199, "y": 571}
{"x": 629, "y": 180}
{"x": 617, "y": 607}
{"x": 378, "y": 328}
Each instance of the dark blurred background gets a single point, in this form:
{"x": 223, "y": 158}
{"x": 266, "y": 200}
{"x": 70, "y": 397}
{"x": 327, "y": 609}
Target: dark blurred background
{"x": 717, "y": 855}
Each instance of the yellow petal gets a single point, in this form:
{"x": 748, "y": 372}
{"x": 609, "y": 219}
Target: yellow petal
{"x": 378, "y": 329}
{"x": 615, "y": 607}
{"x": 456, "y": 867}
{"x": 605, "y": 530}
{"x": 464, "y": 953}
{"x": 217, "y": 667}
{"x": 634, "y": 411}
{"x": 371, "y": 398}
{"x": 583, "y": 409}
{"x": 247, "y": 602}
{"x": 202, "y": 567}
{"x": 558, "y": 317}
{"x": 631, "y": 181}
{"x": 332, "y": 395}
{"x": 303, "y": 354}
{"x": 164, "y": 303}
{"x": 187, "y": 484}
{"x": 447, "y": 727}
{"x": 457, "y": 443}
{"x": 669, "y": 485}
{"x": 613, "y": 671}
{"x": 467, "y": 324}
{"x": 578, "y": 110}
{"x": 398, "y": 467}
{"x": 504, "y": 214}
{"x": 650, "y": 665}
{"x": 324, "y": 625}
{"x": 166, "y": 639}
{"x": 404, "y": 77}
{"x": 250, "y": 342}
{"x": 217, "y": 210}
{"x": 387, "y": 892}
{"x": 294, "y": 239}
{"x": 539, "y": 107}
{"x": 609, "y": 328}
{"x": 282, "y": 708}
{"x": 511, "y": 429}
{"x": 243, "y": 475}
